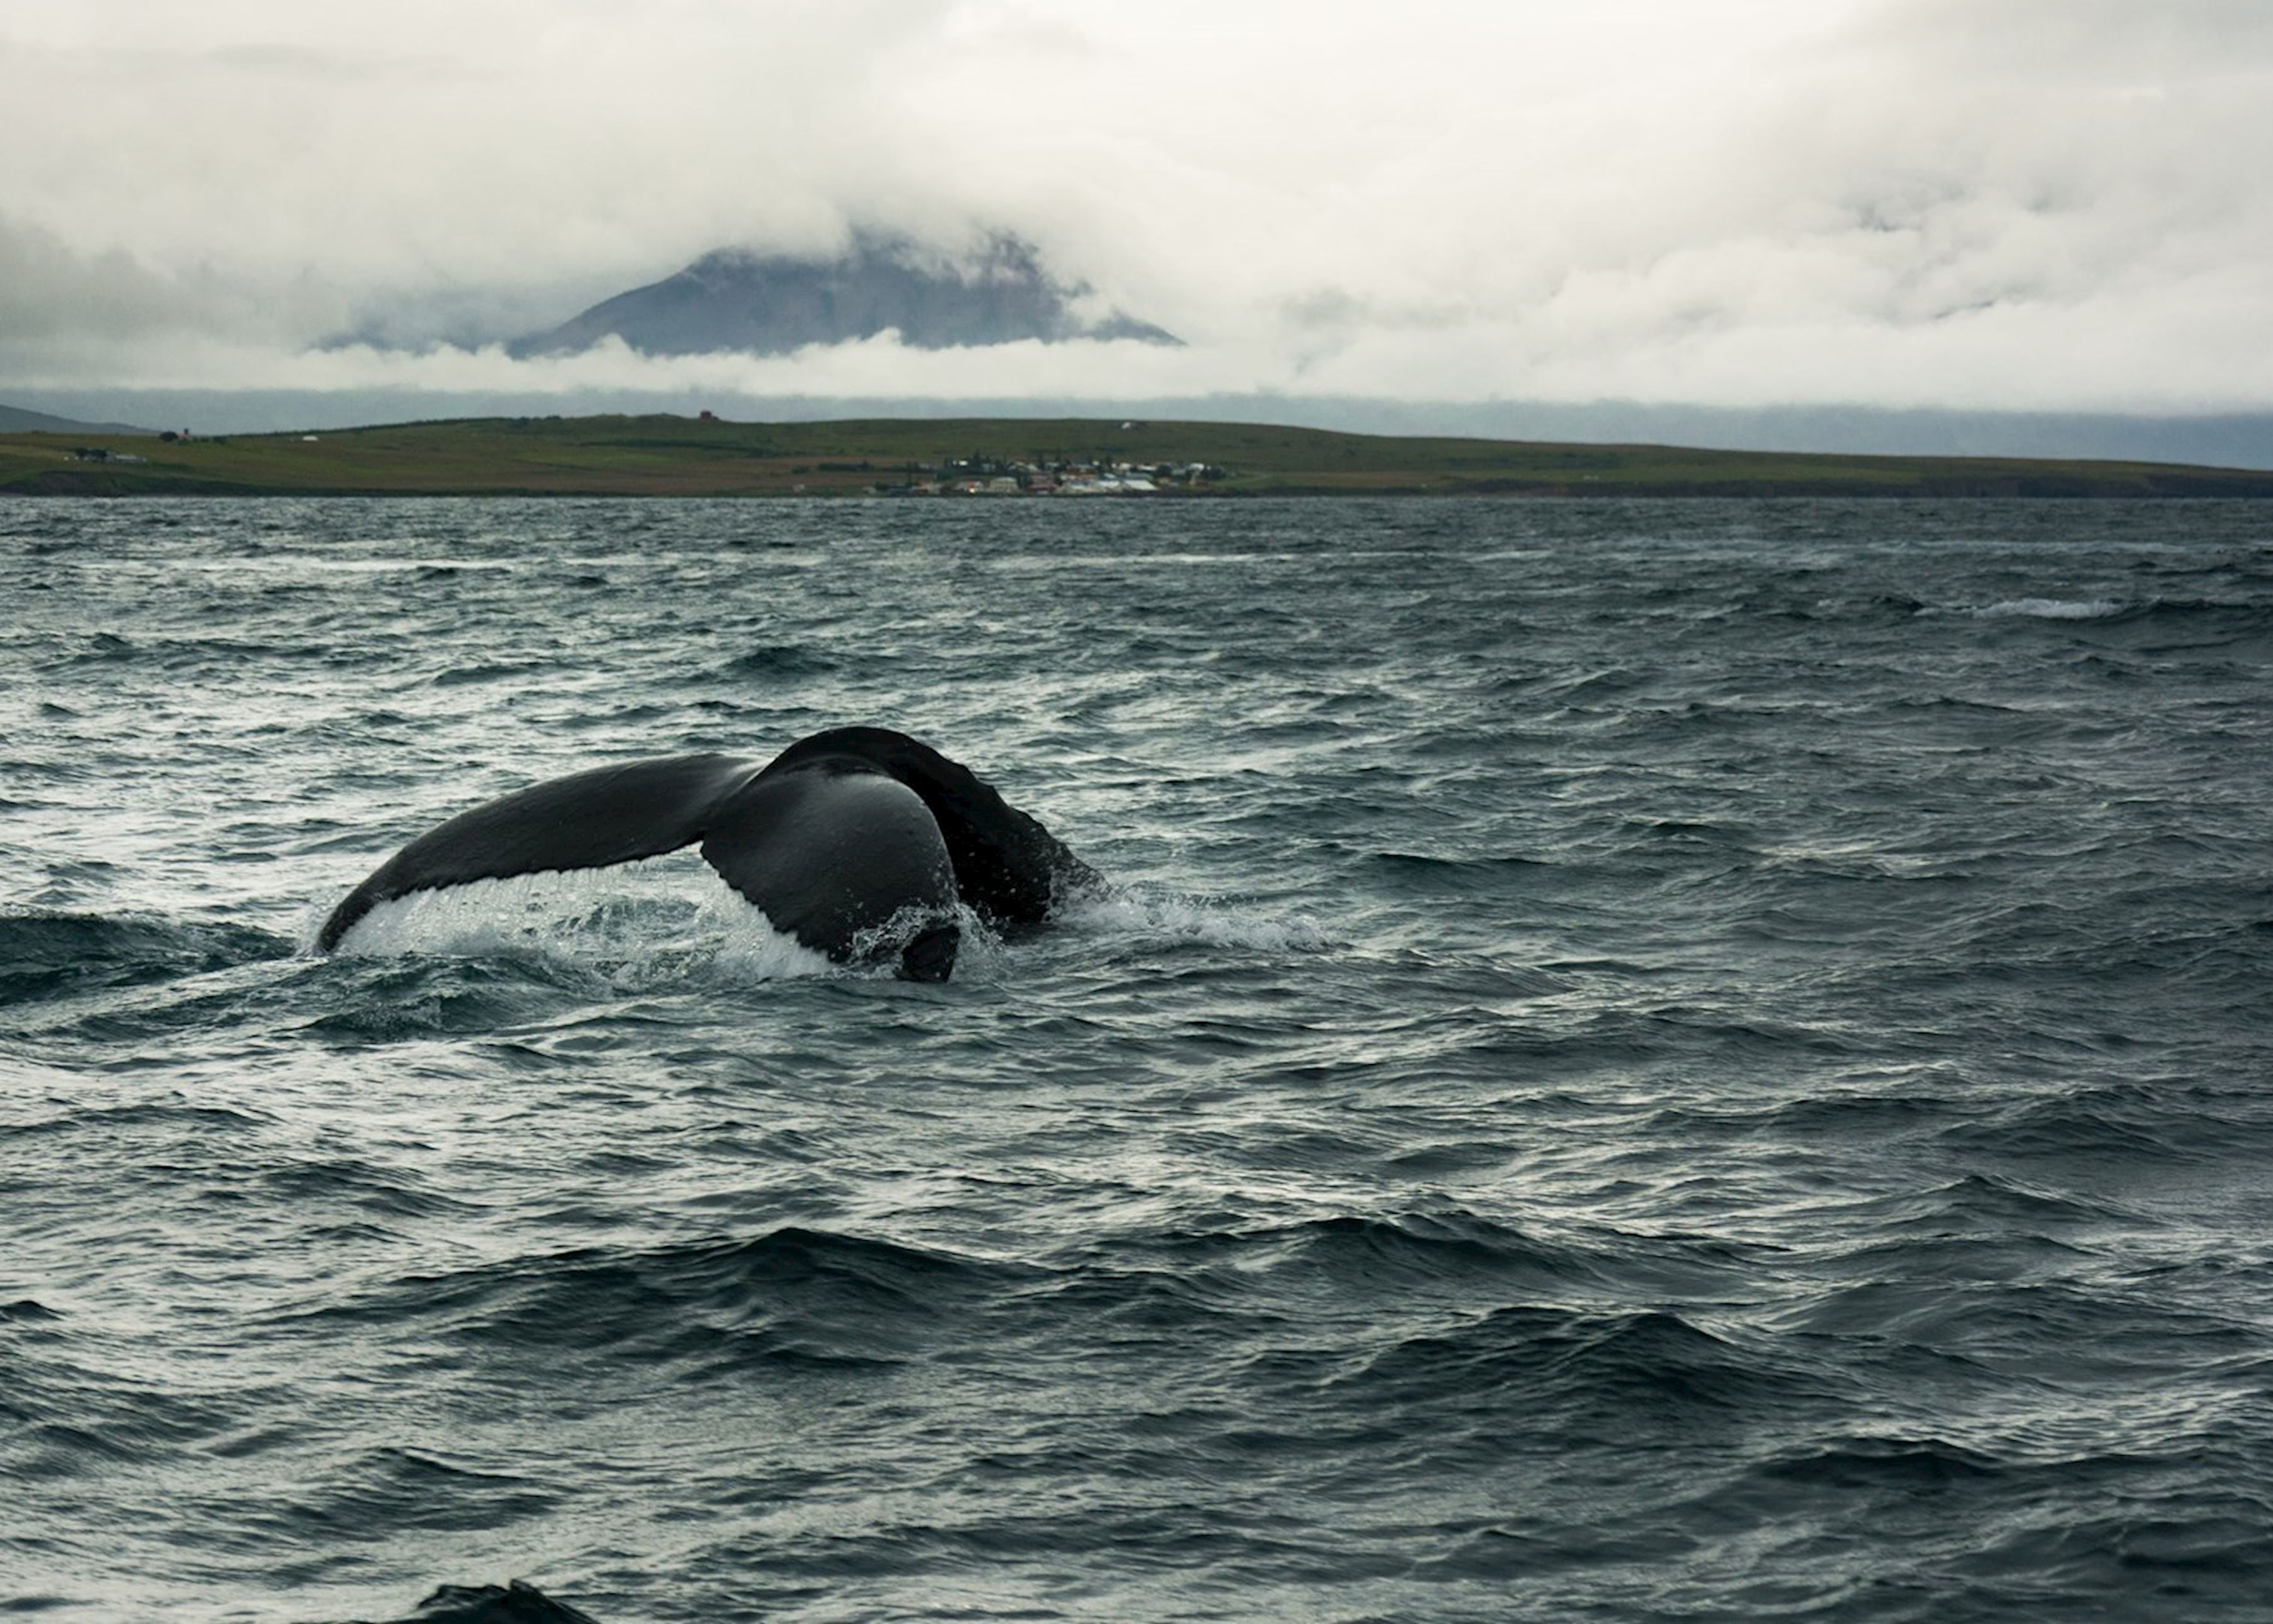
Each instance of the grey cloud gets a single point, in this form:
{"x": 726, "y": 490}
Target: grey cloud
{"x": 47, "y": 292}
{"x": 2039, "y": 202}
{"x": 61, "y": 309}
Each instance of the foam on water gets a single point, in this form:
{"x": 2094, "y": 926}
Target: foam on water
{"x": 636, "y": 923}
{"x": 2054, "y": 609}
{"x": 1145, "y": 914}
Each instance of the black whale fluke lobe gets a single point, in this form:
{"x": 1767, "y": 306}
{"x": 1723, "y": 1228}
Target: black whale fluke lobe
{"x": 519, "y": 1602}
{"x": 860, "y": 842}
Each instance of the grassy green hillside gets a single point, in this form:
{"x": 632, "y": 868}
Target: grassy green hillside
{"x": 678, "y": 456}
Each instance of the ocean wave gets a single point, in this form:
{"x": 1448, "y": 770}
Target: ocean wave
{"x": 73, "y": 1414}
{"x": 1236, "y": 1279}
{"x": 482, "y": 672}
{"x": 1635, "y": 1369}
{"x": 1853, "y": 1462}
{"x": 796, "y": 1298}
{"x": 409, "y": 996}
{"x": 1977, "y": 1202}
{"x": 47, "y": 954}
{"x": 1421, "y": 874}
{"x": 2219, "y": 620}
{"x": 2134, "y": 1124}
{"x": 379, "y": 1494}
{"x": 778, "y": 662}
{"x": 82, "y": 1117}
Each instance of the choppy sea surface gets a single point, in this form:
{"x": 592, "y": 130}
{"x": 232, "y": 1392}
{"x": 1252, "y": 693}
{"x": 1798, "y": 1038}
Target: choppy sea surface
{"x": 1695, "y": 1060}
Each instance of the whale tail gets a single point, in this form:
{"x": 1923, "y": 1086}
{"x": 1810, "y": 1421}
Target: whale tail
{"x": 859, "y": 841}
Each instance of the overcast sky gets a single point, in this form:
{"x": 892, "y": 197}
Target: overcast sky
{"x": 2023, "y": 204}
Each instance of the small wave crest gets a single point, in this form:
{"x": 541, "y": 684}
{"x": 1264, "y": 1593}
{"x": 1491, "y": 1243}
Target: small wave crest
{"x": 779, "y": 661}
{"x": 794, "y": 1299}
{"x": 2050, "y": 609}
{"x": 1572, "y": 1369}
{"x": 1423, "y": 875}
{"x": 1447, "y": 1250}
{"x": 1157, "y": 916}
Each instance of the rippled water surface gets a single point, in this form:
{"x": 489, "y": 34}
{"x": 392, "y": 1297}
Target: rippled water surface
{"x": 1644, "y": 1061}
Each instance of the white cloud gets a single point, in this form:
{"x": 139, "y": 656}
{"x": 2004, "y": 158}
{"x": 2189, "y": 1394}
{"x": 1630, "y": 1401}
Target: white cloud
{"x": 2039, "y": 203}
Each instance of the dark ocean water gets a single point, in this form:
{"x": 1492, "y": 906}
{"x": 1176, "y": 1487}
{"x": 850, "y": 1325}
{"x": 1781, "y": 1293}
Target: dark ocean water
{"x": 1646, "y": 1062}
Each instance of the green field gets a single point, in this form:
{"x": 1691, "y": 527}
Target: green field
{"x": 680, "y": 456}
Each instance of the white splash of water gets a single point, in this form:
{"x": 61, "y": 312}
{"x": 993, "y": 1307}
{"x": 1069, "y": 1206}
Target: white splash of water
{"x": 638, "y": 923}
{"x": 2053, "y": 609}
{"x": 1158, "y": 917}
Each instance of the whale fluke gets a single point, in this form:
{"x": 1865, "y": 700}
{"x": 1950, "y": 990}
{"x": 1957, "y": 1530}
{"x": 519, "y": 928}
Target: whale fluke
{"x": 857, "y": 841}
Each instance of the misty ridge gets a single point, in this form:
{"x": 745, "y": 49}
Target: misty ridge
{"x": 752, "y": 301}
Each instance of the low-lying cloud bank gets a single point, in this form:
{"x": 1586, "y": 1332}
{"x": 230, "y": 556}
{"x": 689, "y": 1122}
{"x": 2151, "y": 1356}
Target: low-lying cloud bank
{"x": 2184, "y": 359}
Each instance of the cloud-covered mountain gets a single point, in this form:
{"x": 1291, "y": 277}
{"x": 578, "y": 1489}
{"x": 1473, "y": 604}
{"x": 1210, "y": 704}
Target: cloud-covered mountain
{"x": 737, "y": 300}
{"x": 2038, "y": 207}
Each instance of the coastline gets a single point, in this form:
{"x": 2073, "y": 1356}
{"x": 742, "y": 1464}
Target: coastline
{"x": 1016, "y": 458}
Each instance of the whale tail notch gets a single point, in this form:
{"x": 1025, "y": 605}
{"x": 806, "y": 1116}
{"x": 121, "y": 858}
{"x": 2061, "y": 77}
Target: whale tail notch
{"x": 1010, "y": 869}
{"x": 837, "y": 853}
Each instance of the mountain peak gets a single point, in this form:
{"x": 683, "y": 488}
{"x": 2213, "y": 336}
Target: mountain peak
{"x": 769, "y": 303}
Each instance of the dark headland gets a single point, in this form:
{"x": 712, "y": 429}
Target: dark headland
{"x": 995, "y": 458}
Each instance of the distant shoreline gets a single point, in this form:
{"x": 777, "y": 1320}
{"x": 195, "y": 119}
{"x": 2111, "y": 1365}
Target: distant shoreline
{"x": 978, "y": 459}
